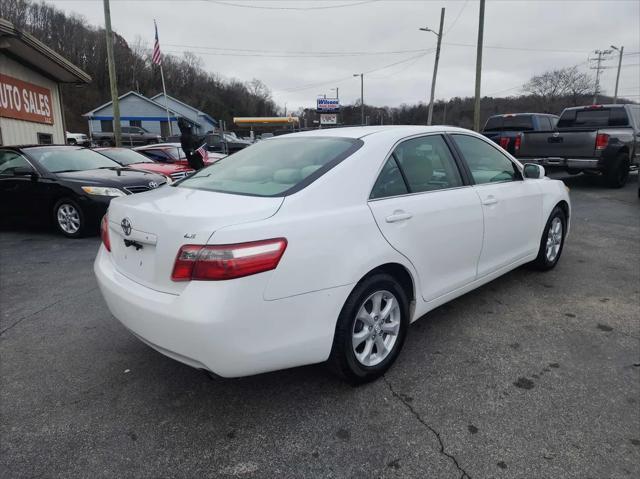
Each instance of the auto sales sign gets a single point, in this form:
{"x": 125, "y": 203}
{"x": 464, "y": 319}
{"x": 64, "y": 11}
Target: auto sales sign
{"x": 328, "y": 105}
{"x": 25, "y": 101}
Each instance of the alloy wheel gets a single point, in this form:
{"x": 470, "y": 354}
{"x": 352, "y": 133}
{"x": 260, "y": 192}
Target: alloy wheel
{"x": 68, "y": 218}
{"x": 376, "y": 327}
{"x": 554, "y": 239}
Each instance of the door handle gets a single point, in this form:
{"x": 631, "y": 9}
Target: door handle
{"x": 398, "y": 216}
{"x": 490, "y": 200}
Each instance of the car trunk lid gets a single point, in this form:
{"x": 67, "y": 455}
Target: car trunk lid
{"x": 147, "y": 230}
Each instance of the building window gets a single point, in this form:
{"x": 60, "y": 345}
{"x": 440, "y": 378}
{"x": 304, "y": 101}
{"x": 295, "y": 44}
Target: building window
{"x": 137, "y": 123}
{"x": 45, "y": 139}
{"x": 106, "y": 126}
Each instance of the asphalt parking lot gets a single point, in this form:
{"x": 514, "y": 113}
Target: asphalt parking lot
{"x": 535, "y": 375}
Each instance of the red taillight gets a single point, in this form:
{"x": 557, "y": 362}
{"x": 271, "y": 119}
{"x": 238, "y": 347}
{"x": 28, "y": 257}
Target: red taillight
{"x": 219, "y": 262}
{"x": 602, "y": 140}
{"x": 517, "y": 143}
{"x": 504, "y": 142}
{"x": 104, "y": 232}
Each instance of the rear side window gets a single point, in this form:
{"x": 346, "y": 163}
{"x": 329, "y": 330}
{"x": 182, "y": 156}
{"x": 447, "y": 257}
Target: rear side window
{"x": 593, "y": 117}
{"x": 274, "y": 167}
{"x": 544, "y": 122}
{"x": 390, "y": 181}
{"x": 427, "y": 164}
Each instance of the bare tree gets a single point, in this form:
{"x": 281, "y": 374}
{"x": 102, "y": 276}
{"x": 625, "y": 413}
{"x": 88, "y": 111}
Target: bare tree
{"x": 555, "y": 84}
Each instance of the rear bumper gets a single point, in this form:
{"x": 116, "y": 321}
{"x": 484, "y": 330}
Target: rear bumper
{"x": 225, "y": 327}
{"x": 571, "y": 163}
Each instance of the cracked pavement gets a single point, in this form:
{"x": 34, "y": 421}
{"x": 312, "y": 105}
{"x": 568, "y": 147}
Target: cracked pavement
{"x": 533, "y": 375}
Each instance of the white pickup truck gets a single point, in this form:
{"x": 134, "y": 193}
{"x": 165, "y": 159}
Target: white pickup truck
{"x": 77, "y": 139}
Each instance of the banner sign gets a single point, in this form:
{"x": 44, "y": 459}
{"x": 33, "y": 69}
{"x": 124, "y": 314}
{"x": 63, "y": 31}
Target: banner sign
{"x": 328, "y": 119}
{"x": 328, "y": 105}
{"x": 25, "y": 101}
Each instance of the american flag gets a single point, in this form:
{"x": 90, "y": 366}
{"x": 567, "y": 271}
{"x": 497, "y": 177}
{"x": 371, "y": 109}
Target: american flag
{"x": 203, "y": 152}
{"x": 156, "y": 48}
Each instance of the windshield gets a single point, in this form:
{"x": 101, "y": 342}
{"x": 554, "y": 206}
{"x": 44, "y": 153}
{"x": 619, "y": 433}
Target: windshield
{"x": 274, "y": 167}
{"x": 67, "y": 158}
{"x": 124, "y": 157}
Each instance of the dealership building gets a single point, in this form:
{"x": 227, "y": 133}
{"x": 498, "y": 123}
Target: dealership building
{"x": 158, "y": 114}
{"x": 30, "y": 100}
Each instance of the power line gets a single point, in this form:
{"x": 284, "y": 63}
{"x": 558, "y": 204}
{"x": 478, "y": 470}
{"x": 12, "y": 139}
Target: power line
{"x": 297, "y": 52}
{"x": 457, "y": 17}
{"x": 270, "y": 7}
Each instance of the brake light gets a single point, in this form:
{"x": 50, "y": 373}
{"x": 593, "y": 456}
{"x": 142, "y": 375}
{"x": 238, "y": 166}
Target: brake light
{"x": 504, "y": 142}
{"x": 104, "y": 232}
{"x": 593, "y": 107}
{"x": 517, "y": 143}
{"x": 220, "y": 262}
{"x": 602, "y": 140}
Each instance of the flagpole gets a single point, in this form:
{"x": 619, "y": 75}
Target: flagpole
{"x": 157, "y": 59}
{"x": 166, "y": 101}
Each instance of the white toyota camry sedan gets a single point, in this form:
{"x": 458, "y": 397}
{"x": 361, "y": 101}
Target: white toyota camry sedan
{"x": 323, "y": 246}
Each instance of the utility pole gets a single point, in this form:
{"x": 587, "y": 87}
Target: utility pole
{"x": 435, "y": 64}
{"x": 476, "y": 103}
{"x": 598, "y": 68}
{"x": 117, "y": 132}
{"x": 620, "y": 50}
{"x": 361, "y": 75}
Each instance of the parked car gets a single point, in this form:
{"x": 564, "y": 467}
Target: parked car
{"x": 602, "y": 139}
{"x": 68, "y": 185}
{"x": 131, "y": 136}
{"x": 323, "y": 246}
{"x": 79, "y": 139}
{"x": 172, "y": 153}
{"x": 506, "y": 130}
{"x": 137, "y": 161}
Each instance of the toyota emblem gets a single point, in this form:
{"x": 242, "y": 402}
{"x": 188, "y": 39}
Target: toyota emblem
{"x": 125, "y": 224}
{"x": 153, "y": 184}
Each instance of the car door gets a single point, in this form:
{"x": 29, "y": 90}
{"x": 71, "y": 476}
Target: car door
{"x": 512, "y": 206}
{"x": 19, "y": 198}
{"x": 426, "y": 212}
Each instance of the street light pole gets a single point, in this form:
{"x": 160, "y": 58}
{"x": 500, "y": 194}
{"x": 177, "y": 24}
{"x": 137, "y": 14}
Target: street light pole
{"x": 620, "y": 50}
{"x": 361, "y": 75}
{"x": 113, "y": 85}
{"x": 476, "y": 103}
{"x": 435, "y": 65}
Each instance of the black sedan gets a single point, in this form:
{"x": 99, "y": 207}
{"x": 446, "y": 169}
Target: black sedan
{"x": 68, "y": 185}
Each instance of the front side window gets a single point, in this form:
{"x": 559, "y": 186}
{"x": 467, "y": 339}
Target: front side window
{"x": 486, "y": 163}
{"x": 10, "y": 160}
{"x": 273, "y": 167}
{"x": 59, "y": 159}
{"x": 427, "y": 164}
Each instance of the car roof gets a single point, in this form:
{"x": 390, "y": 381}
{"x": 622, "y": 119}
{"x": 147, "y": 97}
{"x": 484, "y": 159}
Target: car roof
{"x": 357, "y": 132}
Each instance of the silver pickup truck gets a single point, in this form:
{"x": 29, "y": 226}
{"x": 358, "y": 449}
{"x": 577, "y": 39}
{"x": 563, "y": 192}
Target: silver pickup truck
{"x": 599, "y": 139}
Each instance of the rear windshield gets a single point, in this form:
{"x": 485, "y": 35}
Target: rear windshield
{"x": 274, "y": 167}
{"x": 593, "y": 117}
{"x": 124, "y": 157}
{"x": 510, "y": 122}
{"x": 58, "y": 159}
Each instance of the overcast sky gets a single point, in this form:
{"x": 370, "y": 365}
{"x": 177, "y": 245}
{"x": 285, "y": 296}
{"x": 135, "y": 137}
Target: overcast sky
{"x": 302, "y": 48}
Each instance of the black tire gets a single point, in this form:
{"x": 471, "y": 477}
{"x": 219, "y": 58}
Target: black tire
{"x": 72, "y": 141}
{"x": 617, "y": 173}
{"x": 543, "y": 262}
{"x": 70, "y": 232}
{"x": 343, "y": 358}
{"x": 572, "y": 171}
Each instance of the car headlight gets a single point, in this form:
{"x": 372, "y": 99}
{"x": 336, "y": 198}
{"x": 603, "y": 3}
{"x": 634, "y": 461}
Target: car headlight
{"x": 103, "y": 191}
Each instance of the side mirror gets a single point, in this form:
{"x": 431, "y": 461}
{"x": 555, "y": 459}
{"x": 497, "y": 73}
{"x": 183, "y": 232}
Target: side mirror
{"x": 23, "y": 171}
{"x": 533, "y": 171}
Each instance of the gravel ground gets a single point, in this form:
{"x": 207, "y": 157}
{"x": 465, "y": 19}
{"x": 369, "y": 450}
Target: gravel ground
{"x": 535, "y": 375}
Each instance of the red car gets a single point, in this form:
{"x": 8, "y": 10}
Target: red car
{"x": 137, "y": 161}
{"x": 171, "y": 153}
